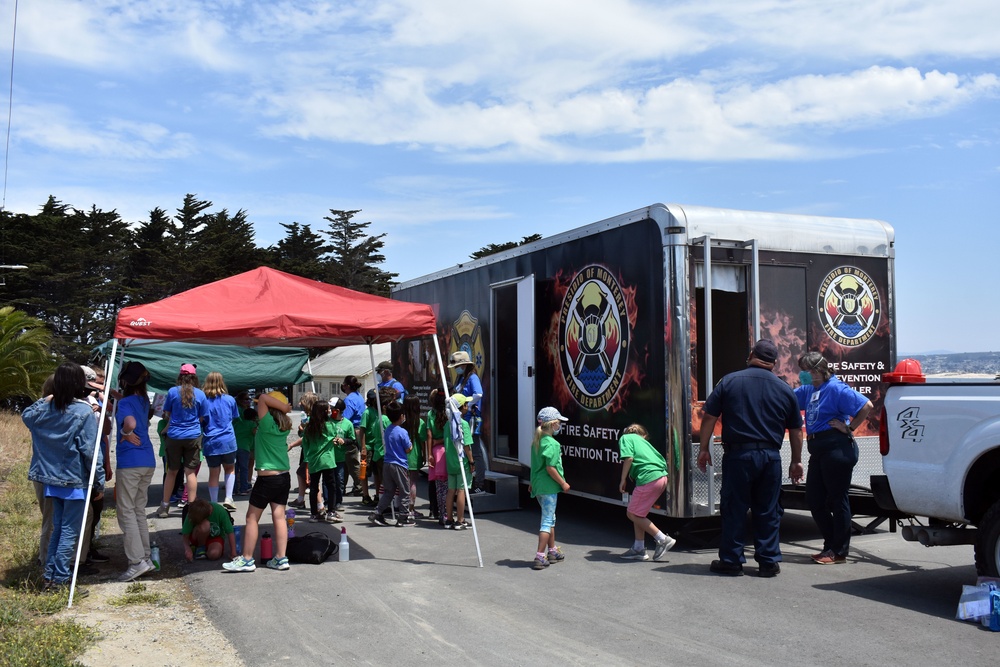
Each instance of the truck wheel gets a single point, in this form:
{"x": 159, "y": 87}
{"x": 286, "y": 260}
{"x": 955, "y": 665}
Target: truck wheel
{"x": 988, "y": 543}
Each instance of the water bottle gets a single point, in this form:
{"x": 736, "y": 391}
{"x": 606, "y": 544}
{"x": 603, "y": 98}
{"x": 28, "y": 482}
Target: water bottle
{"x": 266, "y": 548}
{"x": 290, "y": 518}
{"x": 154, "y": 556}
{"x": 363, "y": 470}
{"x": 344, "y": 549}
{"x": 238, "y": 530}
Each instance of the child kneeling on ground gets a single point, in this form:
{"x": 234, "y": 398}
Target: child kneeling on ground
{"x": 206, "y": 528}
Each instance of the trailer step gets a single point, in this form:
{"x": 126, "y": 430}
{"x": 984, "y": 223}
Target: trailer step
{"x": 501, "y": 494}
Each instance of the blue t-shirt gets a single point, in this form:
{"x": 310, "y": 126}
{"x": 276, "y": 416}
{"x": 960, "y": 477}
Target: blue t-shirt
{"x": 397, "y": 441}
{"x": 185, "y": 423}
{"x": 831, "y": 400}
{"x": 354, "y": 408}
{"x": 220, "y": 438}
{"x": 756, "y": 406}
{"x": 129, "y": 455}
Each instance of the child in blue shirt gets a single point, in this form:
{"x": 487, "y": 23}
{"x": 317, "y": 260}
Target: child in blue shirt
{"x": 395, "y": 468}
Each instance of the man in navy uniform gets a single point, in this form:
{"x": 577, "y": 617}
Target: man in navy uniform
{"x": 757, "y": 407}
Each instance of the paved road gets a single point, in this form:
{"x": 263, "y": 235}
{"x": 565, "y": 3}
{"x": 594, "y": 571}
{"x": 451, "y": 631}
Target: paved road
{"x": 417, "y": 596}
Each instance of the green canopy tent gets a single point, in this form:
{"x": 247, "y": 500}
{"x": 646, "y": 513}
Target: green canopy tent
{"x": 241, "y": 367}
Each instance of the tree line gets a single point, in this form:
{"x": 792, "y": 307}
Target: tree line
{"x": 85, "y": 265}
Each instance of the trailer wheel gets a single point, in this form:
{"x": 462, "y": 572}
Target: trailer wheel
{"x": 988, "y": 543}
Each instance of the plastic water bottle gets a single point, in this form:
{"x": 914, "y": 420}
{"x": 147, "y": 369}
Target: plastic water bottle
{"x": 266, "y": 548}
{"x": 290, "y": 518}
{"x": 344, "y": 549}
{"x": 238, "y": 531}
{"x": 154, "y": 555}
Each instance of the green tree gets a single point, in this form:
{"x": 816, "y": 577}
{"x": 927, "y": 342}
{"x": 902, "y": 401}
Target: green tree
{"x": 150, "y": 268}
{"x": 25, "y": 360}
{"x": 223, "y": 247}
{"x": 300, "y": 252}
{"x": 356, "y": 255}
{"x": 75, "y": 278}
{"x": 494, "y": 248}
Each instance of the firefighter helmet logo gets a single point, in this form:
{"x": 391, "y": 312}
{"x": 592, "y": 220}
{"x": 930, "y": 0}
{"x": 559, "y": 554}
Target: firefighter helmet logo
{"x": 849, "y": 306}
{"x": 593, "y": 337}
{"x": 465, "y": 336}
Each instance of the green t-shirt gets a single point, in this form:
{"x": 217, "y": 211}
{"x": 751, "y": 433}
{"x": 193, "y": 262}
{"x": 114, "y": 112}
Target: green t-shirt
{"x": 373, "y": 434}
{"x": 271, "y": 446}
{"x": 548, "y": 453}
{"x": 451, "y": 452}
{"x": 416, "y": 455}
{"x": 318, "y": 451}
{"x": 437, "y": 432}
{"x": 648, "y": 465}
{"x": 343, "y": 429}
{"x": 219, "y": 522}
{"x": 160, "y": 428}
{"x": 244, "y": 429}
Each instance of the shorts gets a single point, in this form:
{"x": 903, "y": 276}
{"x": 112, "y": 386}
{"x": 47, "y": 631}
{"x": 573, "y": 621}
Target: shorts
{"x": 548, "y": 503}
{"x": 301, "y": 470}
{"x": 644, "y": 496}
{"x": 436, "y": 467}
{"x": 455, "y": 481}
{"x": 183, "y": 453}
{"x": 216, "y": 460}
{"x": 270, "y": 489}
{"x": 212, "y": 540}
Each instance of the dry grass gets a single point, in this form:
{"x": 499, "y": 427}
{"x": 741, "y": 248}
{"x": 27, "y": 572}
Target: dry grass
{"x": 27, "y": 636}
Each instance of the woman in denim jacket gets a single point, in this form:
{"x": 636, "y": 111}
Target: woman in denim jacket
{"x": 63, "y": 437}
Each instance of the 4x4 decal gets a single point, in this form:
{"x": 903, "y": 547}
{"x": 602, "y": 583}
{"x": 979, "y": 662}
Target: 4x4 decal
{"x": 909, "y": 425}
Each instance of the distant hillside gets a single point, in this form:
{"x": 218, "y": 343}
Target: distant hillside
{"x": 959, "y": 362}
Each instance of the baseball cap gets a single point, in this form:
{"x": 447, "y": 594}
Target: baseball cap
{"x": 384, "y": 366}
{"x": 765, "y": 350}
{"x": 278, "y": 395}
{"x": 132, "y": 374}
{"x": 188, "y": 368}
{"x": 460, "y": 399}
{"x": 550, "y": 414}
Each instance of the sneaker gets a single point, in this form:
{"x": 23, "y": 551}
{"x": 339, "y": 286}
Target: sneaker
{"x": 163, "y": 512}
{"x": 339, "y": 507}
{"x": 181, "y": 504}
{"x": 200, "y": 553}
{"x": 137, "y": 570}
{"x": 367, "y": 502}
{"x": 377, "y": 519}
{"x": 635, "y": 554}
{"x": 278, "y": 563}
{"x": 240, "y": 564}
{"x": 96, "y": 556}
{"x": 541, "y": 562}
{"x": 333, "y": 517}
{"x": 417, "y": 515}
{"x": 477, "y": 491}
{"x": 663, "y": 547}
{"x": 316, "y": 518}
{"x": 460, "y": 525}
{"x": 229, "y": 504}
{"x": 768, "y": 570}
{"x": 242, "y": 493}
{"x": 174, "y": 499}
{"x": 727, "y": 568}
{"x": 555, "y": 555}
{"x": 297, "y": 504}
{"x": 405, "y": 521}
{"x": 829, "y": 558}
{"x": 444, "y": 523}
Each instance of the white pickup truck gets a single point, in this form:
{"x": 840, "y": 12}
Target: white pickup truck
{"x": 940, "y": 445}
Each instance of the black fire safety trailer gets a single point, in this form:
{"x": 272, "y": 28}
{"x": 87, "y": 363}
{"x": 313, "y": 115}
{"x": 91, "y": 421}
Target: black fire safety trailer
{"x": 610, "y": 324}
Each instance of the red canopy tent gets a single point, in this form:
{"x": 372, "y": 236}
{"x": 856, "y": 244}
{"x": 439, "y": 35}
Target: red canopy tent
{"x": 270, "y": 307}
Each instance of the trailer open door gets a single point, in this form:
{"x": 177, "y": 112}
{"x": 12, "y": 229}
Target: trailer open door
{"x": 513, "y": 345}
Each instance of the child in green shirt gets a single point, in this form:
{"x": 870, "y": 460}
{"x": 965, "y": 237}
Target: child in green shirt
{"x": 648, "y": 469}
{"x": 546, "y": 483}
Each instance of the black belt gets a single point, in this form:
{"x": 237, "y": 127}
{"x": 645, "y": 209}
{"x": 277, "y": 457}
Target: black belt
{"x": 828, "y": 434}
{"x": 751, "y": 445}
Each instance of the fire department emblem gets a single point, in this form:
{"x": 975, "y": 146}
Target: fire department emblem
{"x": 593, "y": 337}
{"x": 849, "y": 306}
{"x": 465, "y": 336}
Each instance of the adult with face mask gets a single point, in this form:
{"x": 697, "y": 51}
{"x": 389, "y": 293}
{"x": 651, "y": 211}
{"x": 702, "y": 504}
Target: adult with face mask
{"x": 467, "y": 383}
{"x": 354, "y": 404}
{"x": 384, "y": 370}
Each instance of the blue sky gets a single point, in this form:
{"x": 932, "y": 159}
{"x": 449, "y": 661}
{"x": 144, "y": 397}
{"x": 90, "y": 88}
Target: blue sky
{"x": 454, "y": 124}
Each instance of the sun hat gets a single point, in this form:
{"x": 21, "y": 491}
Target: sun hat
{"x": 546, "y": 415}
{"x": 459, "y": 358}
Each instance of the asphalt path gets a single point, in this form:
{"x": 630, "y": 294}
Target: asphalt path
{"x": 417, "y": 595}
